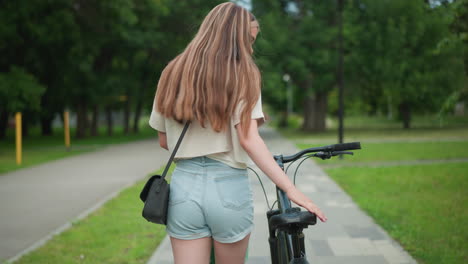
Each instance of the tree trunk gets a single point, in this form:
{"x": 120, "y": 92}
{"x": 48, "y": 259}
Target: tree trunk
{"x": 373, "y": 106}
{"x": 109, "y": 122}
{"x": 283, "y": 121}
{"x": 46, "y": 125}
{"x": 405, "y": 114}
{"x": 137, "y": 114}
{"x": 389, "y": 108}
{"x": 94, "y": 121}
{"x": 315, "y": 112}
{"x": 26, "y": 124}
{"x": 3, "y": 123}
{"x": 81, "y": 120}
{"x": 126, "y": 128}
{"x": 141, "y": 91}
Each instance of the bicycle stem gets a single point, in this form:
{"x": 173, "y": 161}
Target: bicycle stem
{"x": 284, "y": 203}
{"x": 294, "y": 237}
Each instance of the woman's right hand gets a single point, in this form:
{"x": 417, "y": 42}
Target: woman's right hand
{"x": 300, "y": 199}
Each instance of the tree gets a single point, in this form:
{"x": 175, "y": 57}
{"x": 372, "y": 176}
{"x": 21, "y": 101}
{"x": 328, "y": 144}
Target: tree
{"x": 38, "y": 35}
{"x": 161, "y": 41}
{"x": 19, "y": 91}
{"x": 92, "y": 56}
{"x": 459, "y": 27}
{"x": 401, "y": 55}
{"x": 300, "y": 39}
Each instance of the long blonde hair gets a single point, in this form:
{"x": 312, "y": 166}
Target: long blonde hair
{"x": 214, "y": 74}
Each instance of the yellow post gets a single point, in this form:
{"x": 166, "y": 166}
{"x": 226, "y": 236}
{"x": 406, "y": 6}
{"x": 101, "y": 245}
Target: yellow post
{"x": 18, "y": 138}
{"x": 66, "y": 128}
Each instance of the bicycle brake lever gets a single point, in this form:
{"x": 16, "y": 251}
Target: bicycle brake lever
{"x": 323, "y": 155}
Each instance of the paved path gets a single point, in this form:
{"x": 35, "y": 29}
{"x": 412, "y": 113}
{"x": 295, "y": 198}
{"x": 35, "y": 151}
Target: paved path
{"x": 349, "y": 236}
{"x": 39, "y": 201}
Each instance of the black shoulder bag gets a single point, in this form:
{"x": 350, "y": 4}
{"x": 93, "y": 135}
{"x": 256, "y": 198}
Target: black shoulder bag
{"x": 155, "y": 194}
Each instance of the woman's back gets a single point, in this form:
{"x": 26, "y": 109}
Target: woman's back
{"x": 223, "y": 146}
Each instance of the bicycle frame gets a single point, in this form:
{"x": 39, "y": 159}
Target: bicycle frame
{"x": 286, "y": 244}
{"x": 285, "y": 224}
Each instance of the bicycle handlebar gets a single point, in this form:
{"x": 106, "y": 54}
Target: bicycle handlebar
{"x": 329, "y": 148}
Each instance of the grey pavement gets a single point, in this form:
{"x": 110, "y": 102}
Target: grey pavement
{"x": 38, "y": 202}
{"x": 349, "y": 236}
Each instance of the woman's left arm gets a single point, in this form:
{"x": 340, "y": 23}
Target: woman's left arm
{"x": 256, "y": 148}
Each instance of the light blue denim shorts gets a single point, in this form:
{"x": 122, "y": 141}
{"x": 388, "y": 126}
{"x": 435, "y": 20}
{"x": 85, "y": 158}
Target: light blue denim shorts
{"x": 209, "y": 199}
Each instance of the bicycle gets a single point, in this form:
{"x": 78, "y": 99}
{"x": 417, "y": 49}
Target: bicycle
{"x": 286, "y": 223}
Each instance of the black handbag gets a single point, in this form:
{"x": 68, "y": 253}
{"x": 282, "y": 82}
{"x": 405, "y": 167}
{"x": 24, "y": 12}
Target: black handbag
{"x": 155, "y": 193}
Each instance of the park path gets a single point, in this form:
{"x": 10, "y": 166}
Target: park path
{"x": 349, "y": 236}
{"x": 39, "y": 201}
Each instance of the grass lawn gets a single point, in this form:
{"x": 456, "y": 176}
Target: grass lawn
{"x": 38, "y": 149}
{"x": 401, "y": 151}
{"x": 387, "y": 134}
{"x": 115, "y": 233}
{"x": 373, "y": 128}
{"x": 424, "y": 207}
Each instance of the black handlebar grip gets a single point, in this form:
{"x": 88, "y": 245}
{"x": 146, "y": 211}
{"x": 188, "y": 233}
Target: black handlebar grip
{"x": 347, "y": 146}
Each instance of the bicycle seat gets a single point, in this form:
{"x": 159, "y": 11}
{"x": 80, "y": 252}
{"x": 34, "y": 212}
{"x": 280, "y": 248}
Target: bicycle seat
{"x": 293, "y": 217}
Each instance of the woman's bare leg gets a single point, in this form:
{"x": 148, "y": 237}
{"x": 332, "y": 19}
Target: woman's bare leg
{"x": 196, "y": 251}
{"x": 231, "y": 253}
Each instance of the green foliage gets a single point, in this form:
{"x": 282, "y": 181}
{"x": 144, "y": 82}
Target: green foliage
{"x": 95, "y": 55}
{"x": 402, "y": 52}
{"x": 459, "y": 26}
{"x": 400, "y": 56}
{"x": 19, "y": 91}
{"x": 299, "y": 39}
{"x": 108, "y": 54}
{"x": 296, "y": 39}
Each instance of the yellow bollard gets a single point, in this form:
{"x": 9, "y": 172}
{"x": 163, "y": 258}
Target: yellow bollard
{"x": 18, "y": 138}
{"x": 66, "y": 128}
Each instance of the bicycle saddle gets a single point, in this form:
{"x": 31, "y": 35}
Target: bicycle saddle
{"x": 293, "y": 217}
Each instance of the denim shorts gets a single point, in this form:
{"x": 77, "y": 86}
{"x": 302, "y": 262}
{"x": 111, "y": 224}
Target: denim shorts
{"x": 209, "y": 199}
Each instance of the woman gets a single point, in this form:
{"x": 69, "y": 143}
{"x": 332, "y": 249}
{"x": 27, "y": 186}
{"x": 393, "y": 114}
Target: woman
{"x": 215, "y": 84}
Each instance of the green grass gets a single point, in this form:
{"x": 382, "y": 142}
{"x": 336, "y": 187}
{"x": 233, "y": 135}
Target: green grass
{"x": 383, "y": 134}
{"x": 38, "y": 149}
{"x": 378, "y": 122}
{"x": 401, "y": 151}
{"x": 115, "y": 233}
{"x": 362, "y": 128}
{"x": 423, "y": 207}
{"x": 418, "y": 122}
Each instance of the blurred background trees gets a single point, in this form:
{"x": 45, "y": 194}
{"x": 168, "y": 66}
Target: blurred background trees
{"x": 405, "y": 57}
{"x": 98, "y": 57}
{"x": 91, "y": 57}
{"x": 401, "y": 57}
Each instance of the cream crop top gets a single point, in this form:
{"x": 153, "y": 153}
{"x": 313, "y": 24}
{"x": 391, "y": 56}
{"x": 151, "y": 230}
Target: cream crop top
{"x": 199, "y": 141}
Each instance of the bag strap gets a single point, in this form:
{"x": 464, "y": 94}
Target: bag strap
{"x": 175, "y": 150}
